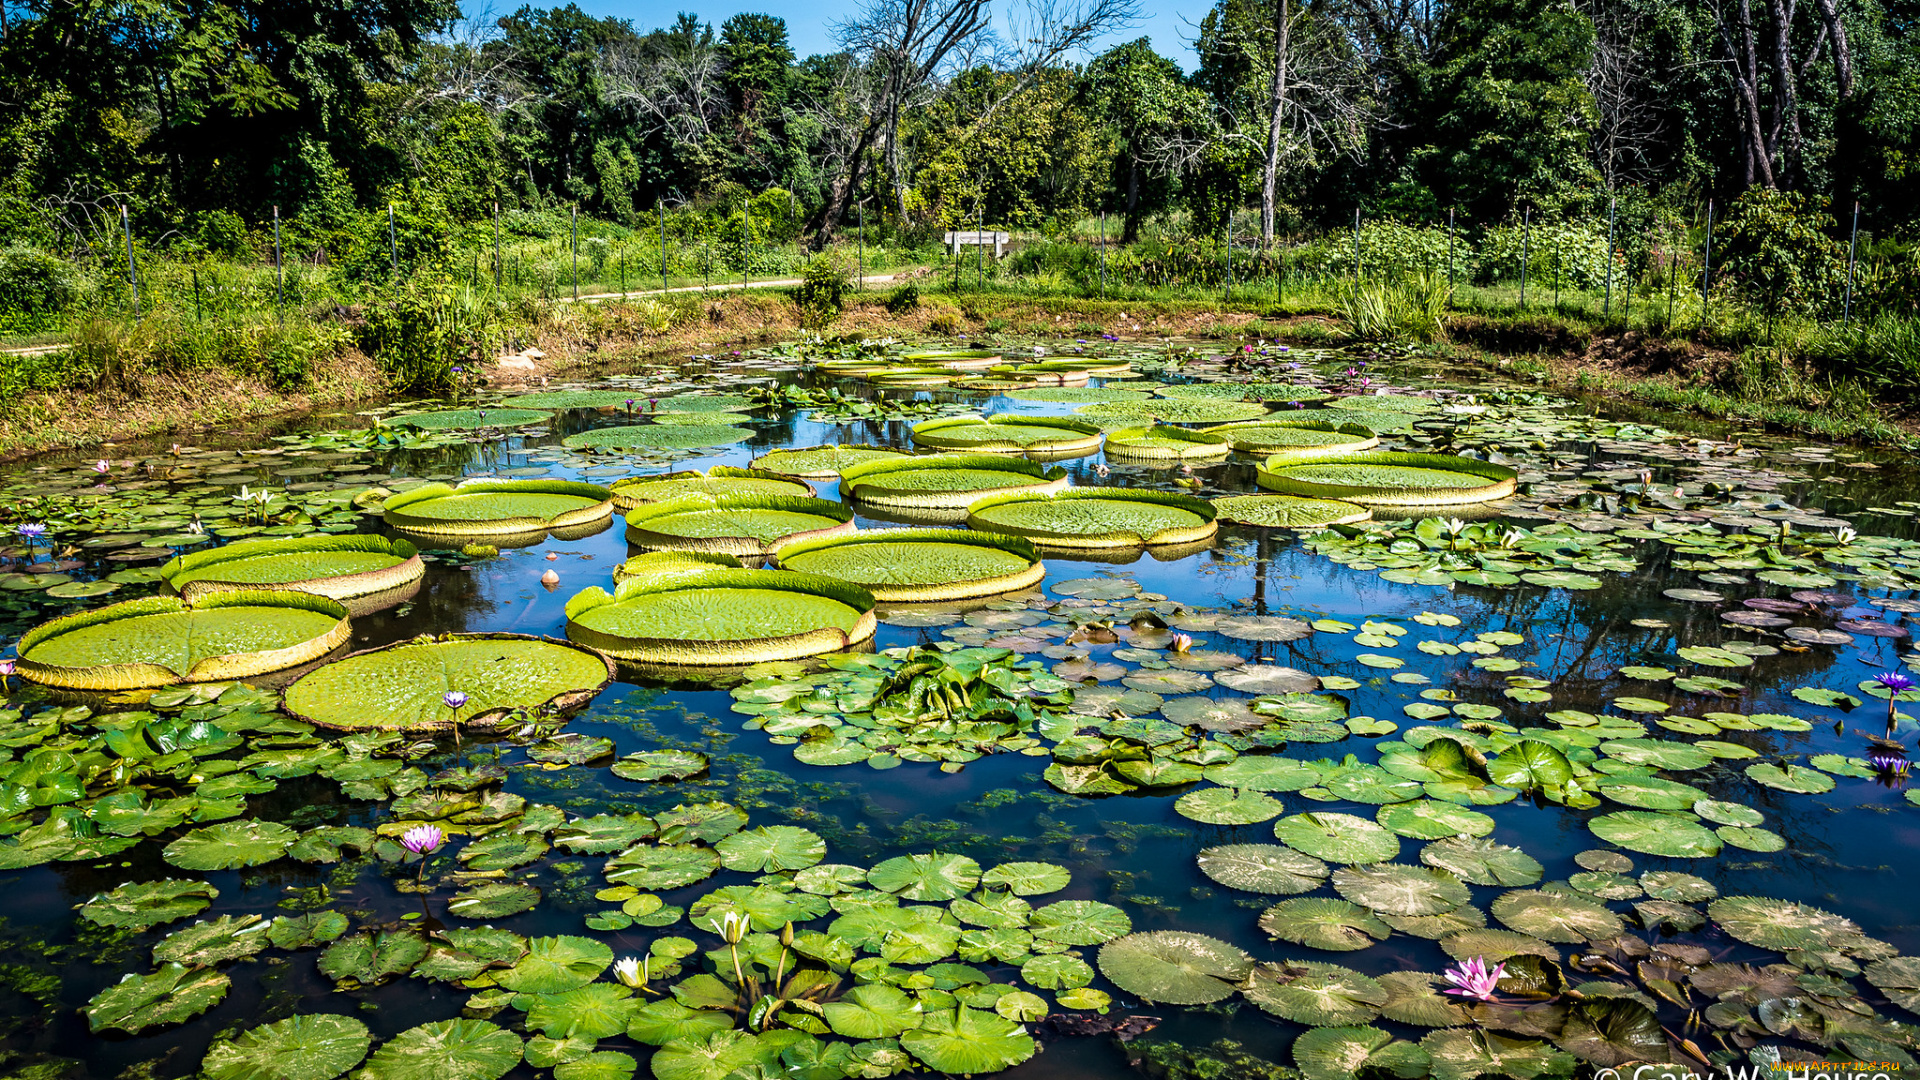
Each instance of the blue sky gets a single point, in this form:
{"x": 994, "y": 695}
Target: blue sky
{"x": 810, "y": 25}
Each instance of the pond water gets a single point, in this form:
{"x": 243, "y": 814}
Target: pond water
{"x": 1725, "y": 757}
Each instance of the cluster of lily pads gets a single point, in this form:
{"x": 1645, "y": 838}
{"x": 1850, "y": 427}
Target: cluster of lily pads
{"x": 804, "y": 968}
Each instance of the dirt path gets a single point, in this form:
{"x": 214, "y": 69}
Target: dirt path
{"x": 735, "y": 286}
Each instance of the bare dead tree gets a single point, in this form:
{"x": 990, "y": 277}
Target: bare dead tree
{"x": 1619, "y": 77}
{"x": 676, "y": 93}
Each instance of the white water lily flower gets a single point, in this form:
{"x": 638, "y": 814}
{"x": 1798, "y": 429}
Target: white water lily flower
{"x": 733, "y": 928}
{"x": 1845, "y": 534}
{"x": 630, "y": 971}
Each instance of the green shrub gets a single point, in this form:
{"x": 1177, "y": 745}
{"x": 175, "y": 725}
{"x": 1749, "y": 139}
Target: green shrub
{"x": 1387, "y": 249}
{"x": 823, "y": 290}
{"x": 903, "y": 299}
{"x": 1559, "y": 255}
{"x": 1775, "y": 254}
{"x": 35, "y": 288}
{"x": 223, "y": 233}
{"x": 420, "y": 330}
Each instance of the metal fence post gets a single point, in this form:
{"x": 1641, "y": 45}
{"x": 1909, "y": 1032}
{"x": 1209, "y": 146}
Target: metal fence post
{"x": 860, "y": 277}
{"x": 574, "y": 241}
{"x": 1103, "y": 252}
{"x": 1229, "y": 237}
{"x": 279, "y": 270}
{"x": 1852, "y": 245}
{"x": 133, "y": 273}
{"x": 1706, "y": 270}
{"x": 660, "y": 211}
{"x": 979, "y": 227}
{"x": 393, "y": 241}
{"x": 198, "y": 316}
{"x": 498, "y": 266}
{"x": 746, "y": 228}
{"x": 1526, "y": 251}
{"x": 1449, "y": 258}
{"x": 1356, "y": 245}
{"x": 1606, "y": 308}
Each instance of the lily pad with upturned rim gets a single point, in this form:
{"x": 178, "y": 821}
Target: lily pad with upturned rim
{"x": 164, "y": 640}
{"x": 337, "y": 567}
{"x": 920, "y": 565}
{"x": 1092, "y": 518}
{"x": 823, "y": 462}
{"x": 1288, "y": 511}
{"x": 1390, "y": 478}
{"x": 722, "y": 616}
{"x": 746, "y": 525}
{"x": 635, "y": 491}
{"x": 651, "y": 437}
{"x": 471, "y": 419}
{"x": 945, "y": 482}
{"x": 1009, "y": 434}
{"x": 483, "y": 508}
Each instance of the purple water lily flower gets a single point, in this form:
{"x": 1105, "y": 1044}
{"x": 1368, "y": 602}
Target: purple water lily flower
{"x": 6, "y": 671}
{"x": 31, "y": 531}
{"x": 1472, "y": 978}
{"x": 453, "y": 699}
{"x": 1894, "y": 681}
{"x": 422, "y": 839}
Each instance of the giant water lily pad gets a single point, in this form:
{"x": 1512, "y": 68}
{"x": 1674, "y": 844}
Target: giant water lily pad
{"x": 1174, "y": 967}
{"x": 1288, "y": 511}
{"x": 487, "y": 508}
{"x": 920, "y": 565}
{"x": 1279, "y": 438}
{"x": 471, "y": 419}
{"x": 747, "y": 525}
{"x": 938, "y": 482}
{"x": 643, "y": 437}
{"x": 163, "y": 640}
{"x": 446, "y": 1050}
{"x": 719, "y": 480}
{"x": 722, "y": 616}
{"x": 1009, "y": 434}
{"x": 405, "y": 686}
{"x": 1157, "y": 443}
{"x": 340, "y": 567}
{"x": 1094, "y": 518}
{"x": 312, "y": 1047}
{"x": 823, "y": 462}
{"x": 1389, "y": 478}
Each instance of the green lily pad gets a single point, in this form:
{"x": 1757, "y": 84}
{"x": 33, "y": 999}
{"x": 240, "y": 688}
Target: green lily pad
{"x": 230, "y": 844}
{"x": 1321, "y": 923}
{"x": 141, "y": 905}
{"x": 1263, "y": 868}
{"x": 967, "y": 1041}
{"x": 926, "y": 877}
{"x": 1174, "y": 967}
{"x": 446, "y": 1050}
{"x": 1337, "y": 838}
{"x": 1226, "y": 806}
{"x": 771, "y": 848}
{"x": 169, "y": 995}
{"x": 313, "y": 1047}
{"x": 1650, "y": 833}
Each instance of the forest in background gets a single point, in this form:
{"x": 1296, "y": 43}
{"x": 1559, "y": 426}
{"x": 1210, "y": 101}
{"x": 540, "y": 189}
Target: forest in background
{"x": 202, "y": 118}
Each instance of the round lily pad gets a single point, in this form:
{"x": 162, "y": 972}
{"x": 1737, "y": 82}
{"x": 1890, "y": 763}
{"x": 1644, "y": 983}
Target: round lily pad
{"x": 312, "y": 1047}
{"x": 503, "y": 508}
{"x": 1175, "y": 967}
{"x": 1226, "y": 806}
{"x": 1337, "y": 838}
{"x": 405, "y": 686}
{"x": 920, "y": 565}
{"x": 164, "y": 640}
{"x": 1263, "y": 868}
{"x": 1093, "y": 518}
{"x": 722, "y": 616}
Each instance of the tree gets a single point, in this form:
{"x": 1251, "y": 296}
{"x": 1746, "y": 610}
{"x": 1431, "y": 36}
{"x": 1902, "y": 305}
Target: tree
{"x": 1155, "y": 117}
{"x": 1506, "y": 115}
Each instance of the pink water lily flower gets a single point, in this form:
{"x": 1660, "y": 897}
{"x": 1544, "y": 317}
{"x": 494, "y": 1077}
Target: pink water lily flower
{"x": 422, "y": 839}
{"x": 1471, "y": 978}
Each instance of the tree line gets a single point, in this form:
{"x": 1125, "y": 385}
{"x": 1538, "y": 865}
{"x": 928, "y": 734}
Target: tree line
{"x": 203, "y": 120}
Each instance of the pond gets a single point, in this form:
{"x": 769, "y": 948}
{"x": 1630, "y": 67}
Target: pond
{"x": 1629, "y": 736}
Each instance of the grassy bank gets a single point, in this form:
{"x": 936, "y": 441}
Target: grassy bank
{"x": 122, "y": 378}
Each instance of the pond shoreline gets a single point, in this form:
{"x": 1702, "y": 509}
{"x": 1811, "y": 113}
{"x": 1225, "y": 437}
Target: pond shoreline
{"x": 581, "y": 340}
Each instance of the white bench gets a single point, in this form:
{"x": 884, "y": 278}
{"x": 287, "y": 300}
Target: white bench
{"x": 958, "y": 240}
